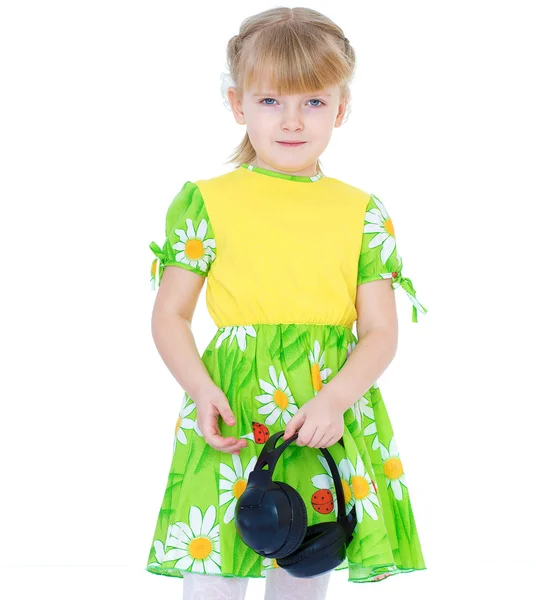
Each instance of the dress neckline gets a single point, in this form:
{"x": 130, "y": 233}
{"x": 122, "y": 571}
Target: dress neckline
{"x": 270, "y": 173}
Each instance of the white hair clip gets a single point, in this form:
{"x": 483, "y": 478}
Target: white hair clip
{"x": 226, "y": 82}
{"x": 347, "y": 113}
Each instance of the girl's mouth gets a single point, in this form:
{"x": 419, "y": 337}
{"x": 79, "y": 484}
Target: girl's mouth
{"x": 291, "y": 144}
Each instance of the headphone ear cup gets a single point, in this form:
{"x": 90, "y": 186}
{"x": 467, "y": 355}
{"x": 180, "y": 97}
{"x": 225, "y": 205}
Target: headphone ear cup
{"x": 318, "y": 538}
{"x": 322, "y": 548}
{"x": 298, "y": 527}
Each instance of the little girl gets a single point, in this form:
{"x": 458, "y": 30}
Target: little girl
{"x": 292, "y": 258}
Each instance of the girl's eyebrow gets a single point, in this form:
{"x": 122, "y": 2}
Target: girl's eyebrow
{"x": 310, "y": 94}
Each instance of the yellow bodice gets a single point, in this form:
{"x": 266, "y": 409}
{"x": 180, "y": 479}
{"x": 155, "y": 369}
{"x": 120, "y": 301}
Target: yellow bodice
{"x": 287, "y": 251}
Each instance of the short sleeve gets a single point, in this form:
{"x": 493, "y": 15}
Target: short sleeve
{"x": 379, "y": 257}
{"x": 189, "y": 241}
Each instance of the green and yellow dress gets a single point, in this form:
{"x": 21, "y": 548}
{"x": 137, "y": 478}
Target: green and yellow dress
{"x": 282, "y": 255}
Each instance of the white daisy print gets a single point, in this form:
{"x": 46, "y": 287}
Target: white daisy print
{"x": 358, "y": 488}
{"x": 195, "y": 545}
{"x": 318, "y": 374}
{"x": 161, "y": 555}
{"x": 359, "y": 408}
{"x": 233, "y": 482}
{"x": 269, "y": 564}
{"x": 238, "y": 332}
{"x": 371, "y": 429}
{"x": 377, "y": 220}
{"x": 192, "y": 248}
{"x": 278, "y": 401}
{"x": 365, "y": 408}
{"x": 392, "y": 467}
{"x": 184, "y": 423}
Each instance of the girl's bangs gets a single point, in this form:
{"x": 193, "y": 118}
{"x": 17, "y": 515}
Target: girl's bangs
{"x": 296, "y": 67}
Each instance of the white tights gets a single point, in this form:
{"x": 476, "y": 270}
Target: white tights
{"x": 280, "y": 585}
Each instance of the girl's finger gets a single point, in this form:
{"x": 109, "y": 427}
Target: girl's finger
{"x": 316, "y": 436}
{"x": 322, "y": 441}
{"x": 235, "y": 448}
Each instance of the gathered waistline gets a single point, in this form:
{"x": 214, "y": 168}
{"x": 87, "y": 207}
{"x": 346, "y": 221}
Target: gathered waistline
{"x": 309, "y": 324}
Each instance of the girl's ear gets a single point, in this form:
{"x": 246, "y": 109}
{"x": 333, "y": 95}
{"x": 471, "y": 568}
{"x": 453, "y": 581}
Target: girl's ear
{"x": 236, "y": 105}
{"x": 341, "y": 112}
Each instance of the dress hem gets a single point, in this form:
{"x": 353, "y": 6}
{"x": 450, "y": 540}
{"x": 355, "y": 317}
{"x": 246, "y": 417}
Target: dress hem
{"x": 177, "y": 573}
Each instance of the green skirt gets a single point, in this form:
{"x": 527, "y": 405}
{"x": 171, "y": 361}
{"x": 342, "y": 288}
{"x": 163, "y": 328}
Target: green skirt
{"x": 267, "y": 371}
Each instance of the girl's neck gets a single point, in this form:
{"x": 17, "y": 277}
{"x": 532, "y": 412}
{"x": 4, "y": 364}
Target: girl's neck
{"x": 310, "y": 171}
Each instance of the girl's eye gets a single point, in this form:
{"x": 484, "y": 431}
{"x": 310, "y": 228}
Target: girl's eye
{"x": 312, "y": 100}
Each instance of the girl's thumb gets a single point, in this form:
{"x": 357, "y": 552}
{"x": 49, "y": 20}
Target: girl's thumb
{"x": 293, "y": 425}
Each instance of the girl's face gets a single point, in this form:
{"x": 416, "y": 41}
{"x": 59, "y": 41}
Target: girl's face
{"x": 272, "y": 119}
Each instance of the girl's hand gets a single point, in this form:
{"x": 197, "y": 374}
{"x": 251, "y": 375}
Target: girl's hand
{"x": 209, "y": 408}
{"x": 320, "y": 423}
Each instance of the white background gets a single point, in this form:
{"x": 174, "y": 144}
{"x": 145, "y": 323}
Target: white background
{"x": 106, "y": 109}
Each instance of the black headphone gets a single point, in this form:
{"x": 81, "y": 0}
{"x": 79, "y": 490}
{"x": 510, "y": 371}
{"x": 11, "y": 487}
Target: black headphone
{"x": 271, "y": 519}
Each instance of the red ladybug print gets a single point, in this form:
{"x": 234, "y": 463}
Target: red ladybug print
{"x": 322, "y": 502}
{"x": 260, "y": 433}
{"x": 374, "y": 486}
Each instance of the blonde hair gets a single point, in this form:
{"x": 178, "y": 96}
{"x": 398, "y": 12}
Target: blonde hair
{"x": 297, "y": 49}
